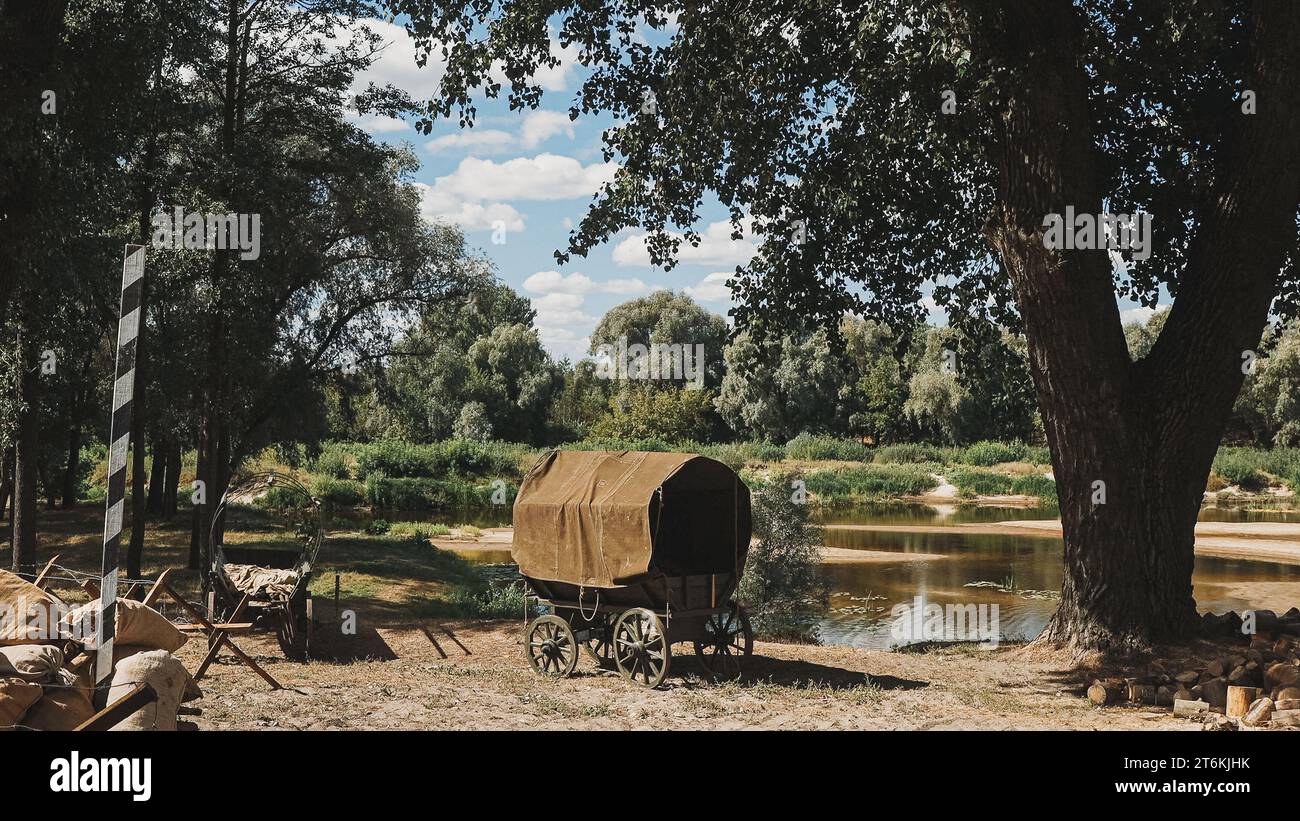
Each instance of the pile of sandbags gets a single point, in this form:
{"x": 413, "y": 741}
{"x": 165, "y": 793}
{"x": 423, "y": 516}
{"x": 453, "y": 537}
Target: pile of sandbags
{"x": 38, "y": 691}
{"x": 1257, "y": 686}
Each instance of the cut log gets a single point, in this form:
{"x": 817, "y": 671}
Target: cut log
{"x": 1215, "y": 692}
{"x": 1287, "y": 704}
{"x": 1107, "y": 691}
{"x": 1285, "y": 718}
{"x": 1259, "y": 712}
{"x": 1240, "y": 699}
{"x": 1188, "y": 677}
{"x": 1282, "y": 674}
{"x": 1190, "y": 708}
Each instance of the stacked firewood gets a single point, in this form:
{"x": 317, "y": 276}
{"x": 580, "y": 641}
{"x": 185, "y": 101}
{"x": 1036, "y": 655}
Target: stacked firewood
{"x": 1256, "y": 686}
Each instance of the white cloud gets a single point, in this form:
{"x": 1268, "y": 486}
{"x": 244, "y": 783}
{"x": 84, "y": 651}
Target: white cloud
{"x": 475, "y": 140}
{"x": 379, "y": 124}
{"x": 560, "y": 310}
{"x": 475, "y": 195}
{"x": 550, "y": 79}
{"x": 544, "y": 177}
{"x": 562, "y": 342}
{"x": 540, "y": 126}
{"x": 395, "y": 65}
{"x": 716, "y": 248}
{"x": 713, "y": 288}
{"x": 536, "y": 128}
{"x": 553, "y": 282}
{"x": 436, "y": 206}
{"x": 1139, "y": 314}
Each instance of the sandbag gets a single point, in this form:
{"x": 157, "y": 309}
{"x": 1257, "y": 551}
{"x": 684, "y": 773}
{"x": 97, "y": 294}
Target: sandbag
{"x": 165, "y": 674}
{"x": 39, "y": 663}
{"x": 27, "y": 613}
{"x": 61, "y": 709}
{"x": 136, "y": 624}
{"x": 16, "y": 698}
{"x": 125, "y": 651}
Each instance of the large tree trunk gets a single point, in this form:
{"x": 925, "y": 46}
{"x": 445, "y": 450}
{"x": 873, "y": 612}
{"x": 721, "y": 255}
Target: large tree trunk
{"x": 27, "y": 453}
{"x": 1132, "y": 443}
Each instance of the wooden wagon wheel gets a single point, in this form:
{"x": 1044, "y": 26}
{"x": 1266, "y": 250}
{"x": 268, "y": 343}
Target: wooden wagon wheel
{"x": 550, "y": 646}
{"x": 600, "y": 647}
{"x": 728, "y": 639}
{"x": 641, "y": 647}
{"x": 294, "y": 634}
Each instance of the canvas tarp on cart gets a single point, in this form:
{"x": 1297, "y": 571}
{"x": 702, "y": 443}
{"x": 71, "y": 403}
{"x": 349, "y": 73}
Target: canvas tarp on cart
{"x": 600, "y": 519}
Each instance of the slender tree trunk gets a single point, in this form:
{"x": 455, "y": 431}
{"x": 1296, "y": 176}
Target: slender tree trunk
{"x": 7, "y": 485}
{"x": 197, "y": 518}
{"x": 72, "y": 468}
{"x": 157, "y": 476}
{"x": 172, "y": 487}
{"x": 27, "y": 454}
{"x": 1132, "y": 443}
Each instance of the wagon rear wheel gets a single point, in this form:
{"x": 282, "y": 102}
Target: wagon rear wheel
{"x": 550, "y": 646}
{"x": 600, "y": 646}
{"x": 641, "y": 648}
{"x": 728, "y": 640}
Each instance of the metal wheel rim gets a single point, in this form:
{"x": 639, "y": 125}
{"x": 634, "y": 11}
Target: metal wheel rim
{"x": 641, "y": 648}
{"x": 550, "y": 647}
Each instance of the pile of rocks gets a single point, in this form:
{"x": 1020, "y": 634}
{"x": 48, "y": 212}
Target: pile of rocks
{"x": 1257, "y": 686}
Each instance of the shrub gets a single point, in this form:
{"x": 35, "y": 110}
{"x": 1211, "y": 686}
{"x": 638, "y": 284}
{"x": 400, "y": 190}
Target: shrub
{"x": 910, "y": 454}
{"x": 337, "y": 492}
{"x": 1242, "y": 467}
{"x": 417, "y": 493}
{"x": 869, "y": 482}
{"x": 494, "y": 601}
{"x": 782, "y": 587}
{"x": 377, "y": 527}
{"x": 440, "y": 460}
{"x": 987, "y": 454}
{"x": 989, "y": 483}
{"x": 418, "y": 530}
{"x": 333, "y": 462}
{"x": 809, "y": 447}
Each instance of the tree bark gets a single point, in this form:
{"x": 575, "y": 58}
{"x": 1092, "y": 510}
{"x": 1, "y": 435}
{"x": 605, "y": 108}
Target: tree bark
{"x": 7, "y": 485}
{"x": 1131, "y": 443}
{"x": 157, "y": 476}
{"x": 27, "y": 453}
{"x": 172, "y": 486}
{"x": 72, "y": 467}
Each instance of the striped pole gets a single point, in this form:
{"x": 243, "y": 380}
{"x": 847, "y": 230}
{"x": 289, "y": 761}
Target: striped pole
{"x": 128, "y": 329}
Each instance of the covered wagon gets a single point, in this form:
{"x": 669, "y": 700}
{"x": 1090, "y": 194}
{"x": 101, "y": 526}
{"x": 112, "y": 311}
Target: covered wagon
{"x": 633, "y": 552}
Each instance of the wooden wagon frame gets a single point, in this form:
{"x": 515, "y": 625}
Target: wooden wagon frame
{"x": 291, "y": 616}
{"x": 675, "y": 526}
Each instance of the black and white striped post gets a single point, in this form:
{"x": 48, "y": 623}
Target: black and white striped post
{"x": 128, "y": 330}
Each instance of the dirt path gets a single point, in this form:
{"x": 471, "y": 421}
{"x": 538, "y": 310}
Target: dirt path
{"x": 409, "y": 685}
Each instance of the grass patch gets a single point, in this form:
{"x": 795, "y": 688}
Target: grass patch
{"x": 869, "y": 483}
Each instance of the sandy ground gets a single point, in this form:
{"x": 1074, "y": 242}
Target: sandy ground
{"x": 408, "y": 684}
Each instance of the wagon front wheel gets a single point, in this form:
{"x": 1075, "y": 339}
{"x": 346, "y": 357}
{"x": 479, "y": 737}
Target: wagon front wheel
{"x": 550, "y": 646}
{"x": 728, "y": 639}
{"x": 641, "y": 648}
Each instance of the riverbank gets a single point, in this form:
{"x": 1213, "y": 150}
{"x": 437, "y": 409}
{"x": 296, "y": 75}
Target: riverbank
{"x": 1277, "y": 542}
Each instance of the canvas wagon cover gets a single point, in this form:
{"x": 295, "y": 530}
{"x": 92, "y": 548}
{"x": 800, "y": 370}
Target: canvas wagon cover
{"x": 585, "y": 517}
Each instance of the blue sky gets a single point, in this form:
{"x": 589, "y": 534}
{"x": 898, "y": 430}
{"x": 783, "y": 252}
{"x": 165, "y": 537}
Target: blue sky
{"x": 534, "y": 172}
